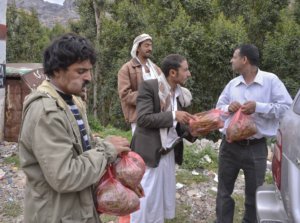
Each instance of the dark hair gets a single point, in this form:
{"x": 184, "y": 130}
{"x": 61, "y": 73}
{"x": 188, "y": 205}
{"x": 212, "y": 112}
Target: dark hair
{"x": 65, "y": 51}
{"x": 251, "y": 52}
{"x": 172, "y": 61}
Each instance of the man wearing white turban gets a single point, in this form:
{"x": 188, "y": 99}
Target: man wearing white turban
{"x": 132, "y": 73}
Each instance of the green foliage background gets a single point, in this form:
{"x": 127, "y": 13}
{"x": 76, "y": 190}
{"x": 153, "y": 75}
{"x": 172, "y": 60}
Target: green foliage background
{"x": 204, "y": 31}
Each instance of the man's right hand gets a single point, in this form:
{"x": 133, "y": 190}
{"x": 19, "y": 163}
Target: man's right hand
{"x": 234, "y": 106}
{"x": 120, "y": 143}
{"x": 183, "y": 117}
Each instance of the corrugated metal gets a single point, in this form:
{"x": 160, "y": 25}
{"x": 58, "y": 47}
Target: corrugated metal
{"x": 19, "y": 69}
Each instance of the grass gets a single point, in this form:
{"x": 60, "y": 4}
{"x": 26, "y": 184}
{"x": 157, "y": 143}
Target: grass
{"x": 185, "y": 177}
{"x": 109, "y": 130}
{"x": 182, "y": 214}
{"x": 12, "y": 209}
{"x": 193, "y": 158}
{"x": 12, "y": 160}
{"x": 102, "y": 131}
{"x": 107, "y": 218}
{"x": 239, "y": 207}
{"x": 269, "y": 178}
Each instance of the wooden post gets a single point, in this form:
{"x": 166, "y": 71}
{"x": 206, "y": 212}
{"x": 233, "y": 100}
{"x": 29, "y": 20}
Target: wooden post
{"x": 3, "y": 5}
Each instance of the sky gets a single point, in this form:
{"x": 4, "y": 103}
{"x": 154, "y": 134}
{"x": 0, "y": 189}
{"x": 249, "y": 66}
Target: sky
{"x": 60, "y": 2}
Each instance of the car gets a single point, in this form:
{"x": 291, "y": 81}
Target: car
{"x": 280, "y": 202}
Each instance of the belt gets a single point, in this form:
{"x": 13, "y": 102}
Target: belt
{"x": 248, "y": 142}
{"x": 163, "y": 151}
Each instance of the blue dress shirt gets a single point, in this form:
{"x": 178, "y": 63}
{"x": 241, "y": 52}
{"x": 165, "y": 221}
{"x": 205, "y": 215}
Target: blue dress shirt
{"x": 271, "y": 97}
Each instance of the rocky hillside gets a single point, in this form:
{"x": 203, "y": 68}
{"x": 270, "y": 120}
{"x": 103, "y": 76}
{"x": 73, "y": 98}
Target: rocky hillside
{"x": 49, "y": 13}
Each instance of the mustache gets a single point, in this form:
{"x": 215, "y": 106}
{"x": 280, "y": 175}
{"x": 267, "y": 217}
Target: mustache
{"x": 85, "y": 83}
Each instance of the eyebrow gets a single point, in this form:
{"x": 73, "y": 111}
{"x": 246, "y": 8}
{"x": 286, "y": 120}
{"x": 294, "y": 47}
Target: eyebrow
{"x": 84, "y": 69}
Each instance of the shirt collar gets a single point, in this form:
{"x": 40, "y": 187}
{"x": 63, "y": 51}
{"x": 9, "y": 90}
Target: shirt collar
{"x": 177, "y": 91}
{"x": 258, "y": 79}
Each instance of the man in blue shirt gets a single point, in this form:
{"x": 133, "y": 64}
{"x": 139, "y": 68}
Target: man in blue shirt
{"x": 263, "y": 96}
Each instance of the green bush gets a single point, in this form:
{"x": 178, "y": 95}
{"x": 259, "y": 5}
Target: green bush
{"x": 193, "y": 159}
{"x": 94, "y": 124}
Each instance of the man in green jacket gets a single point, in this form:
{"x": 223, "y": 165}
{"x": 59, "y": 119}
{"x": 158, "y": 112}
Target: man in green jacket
{"x": 59, "y": 159}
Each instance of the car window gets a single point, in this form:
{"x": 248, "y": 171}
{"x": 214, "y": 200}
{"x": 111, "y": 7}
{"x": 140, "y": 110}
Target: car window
{"x": 297, "y": 105}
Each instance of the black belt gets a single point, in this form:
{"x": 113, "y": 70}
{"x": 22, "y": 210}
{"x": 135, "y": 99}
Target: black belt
{"x": 249, "y": 142}
{"x": 163, "y": 151}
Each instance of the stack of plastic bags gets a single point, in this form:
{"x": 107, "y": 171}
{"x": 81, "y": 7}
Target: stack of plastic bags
{"x": 119, "y": 189}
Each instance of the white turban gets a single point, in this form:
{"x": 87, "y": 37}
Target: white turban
{"x": 137, "y": 41}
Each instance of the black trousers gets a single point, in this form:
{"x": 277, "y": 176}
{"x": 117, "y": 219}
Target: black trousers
{"x": 233, "y": 157}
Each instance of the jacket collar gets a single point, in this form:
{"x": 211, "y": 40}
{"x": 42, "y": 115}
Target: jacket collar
{"x": 48, "y": 88}
{"x": 135, "y": 62}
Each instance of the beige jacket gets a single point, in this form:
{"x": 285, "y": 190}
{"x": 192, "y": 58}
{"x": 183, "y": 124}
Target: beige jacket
{"x": 129, "y": 78}
{"x": 60, "y": 176}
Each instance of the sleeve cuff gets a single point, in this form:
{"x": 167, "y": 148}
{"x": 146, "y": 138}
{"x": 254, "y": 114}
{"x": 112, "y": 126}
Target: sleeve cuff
{"x": 174, "y": 118}
{"x": 261, "y": 107}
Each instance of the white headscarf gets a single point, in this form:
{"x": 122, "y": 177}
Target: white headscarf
{"x": 137, "y": 41}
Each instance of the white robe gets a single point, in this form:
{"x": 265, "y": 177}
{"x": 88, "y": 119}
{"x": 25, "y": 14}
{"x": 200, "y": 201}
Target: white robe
{"x": 160, "y": 193}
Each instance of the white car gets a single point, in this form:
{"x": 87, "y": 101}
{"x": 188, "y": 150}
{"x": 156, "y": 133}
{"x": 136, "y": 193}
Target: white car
{"x": 280, "y": 202}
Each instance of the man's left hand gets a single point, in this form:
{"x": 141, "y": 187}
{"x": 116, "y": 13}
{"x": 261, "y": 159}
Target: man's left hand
{"x": 248, "y": 107}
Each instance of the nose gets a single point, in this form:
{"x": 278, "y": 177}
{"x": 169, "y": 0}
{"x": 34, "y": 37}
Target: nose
{"x": 189, "y": 74}
{"x": 88, "y": 76}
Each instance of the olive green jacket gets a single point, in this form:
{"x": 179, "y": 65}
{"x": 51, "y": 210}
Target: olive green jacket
{"x": 60, "y": 176}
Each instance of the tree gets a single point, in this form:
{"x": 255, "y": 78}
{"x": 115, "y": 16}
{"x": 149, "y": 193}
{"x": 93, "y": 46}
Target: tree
{"x": 206, "y": 32}
{"x": 26, "y": 38}
{"x": 260, "y": 16}
{"x": 56, "y": 30}
{"x": 282, "y": 52}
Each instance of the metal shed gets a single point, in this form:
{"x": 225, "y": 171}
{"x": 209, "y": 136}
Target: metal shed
{"x": 20, "y": 79}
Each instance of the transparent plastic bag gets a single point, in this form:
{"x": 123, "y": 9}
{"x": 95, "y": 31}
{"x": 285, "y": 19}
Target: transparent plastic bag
{"x": 207, "y": 121}
{"x": 130, "y": 169}
{"x": 113, "y": 198}
{"x": 240, "y": 127}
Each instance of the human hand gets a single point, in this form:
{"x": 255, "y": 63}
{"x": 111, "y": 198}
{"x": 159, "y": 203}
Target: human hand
{"x": 183, "y": 117}
{"x": 248, "y": 107}
{"x": 234, "y": 106}
{"x": 120, "y": 143}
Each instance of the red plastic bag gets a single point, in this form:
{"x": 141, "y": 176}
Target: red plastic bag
{"x": 113, "y": 198}
{"x": 240, "y": 127}
{"x": 130, "y": 169}
{"x": 206, "y": 122}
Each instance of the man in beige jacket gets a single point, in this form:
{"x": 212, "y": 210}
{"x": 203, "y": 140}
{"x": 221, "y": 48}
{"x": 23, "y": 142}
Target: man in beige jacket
{"x": 58, "y": 157}
{"x": 132, "y": 73}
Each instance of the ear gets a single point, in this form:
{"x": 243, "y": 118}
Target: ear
{"x": 172, "y": 72}
{"x": 56, "y": 73}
